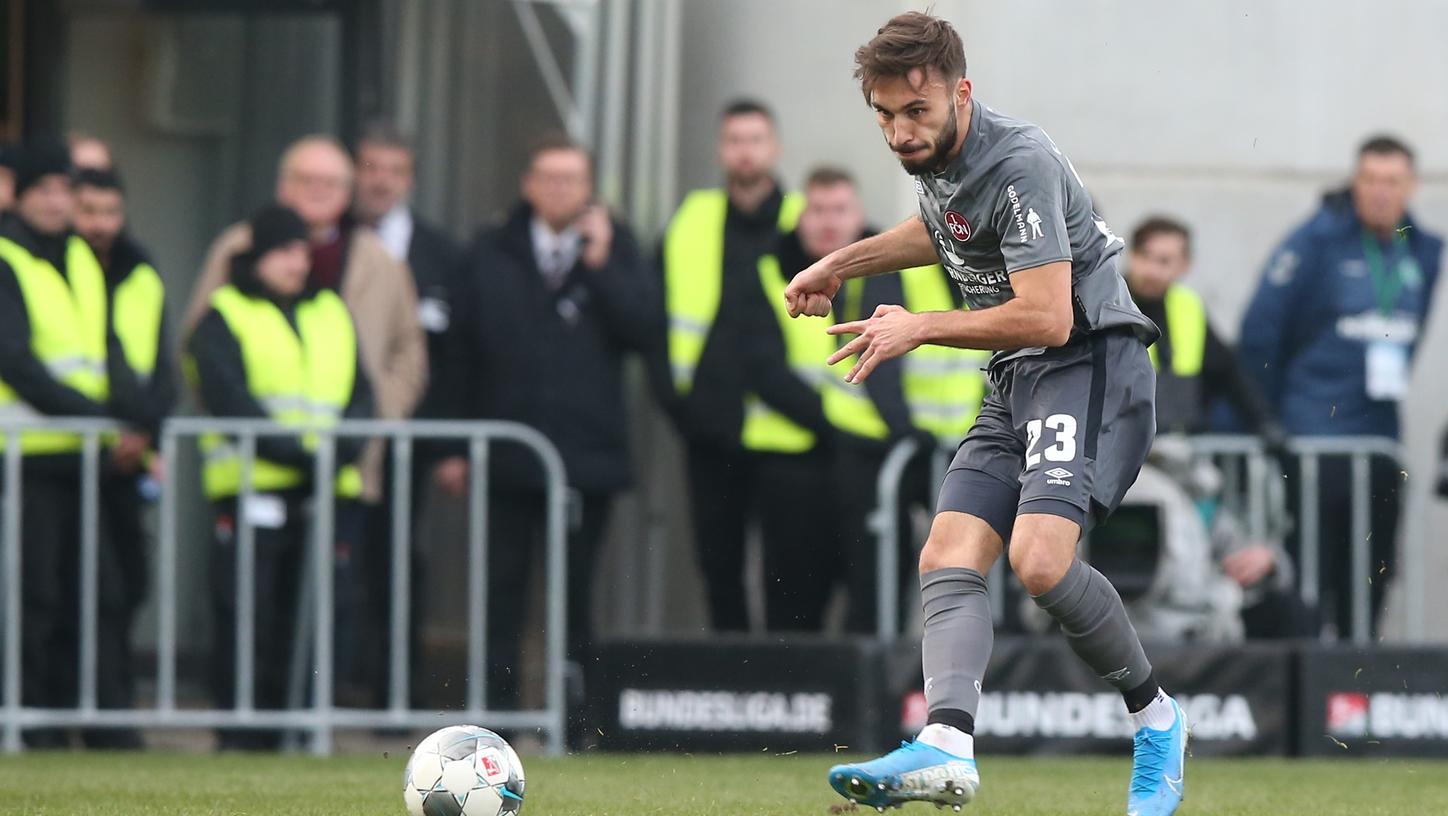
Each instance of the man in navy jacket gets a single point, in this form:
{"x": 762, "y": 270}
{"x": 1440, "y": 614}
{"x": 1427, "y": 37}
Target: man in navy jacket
{"x": 1330, "y": 336}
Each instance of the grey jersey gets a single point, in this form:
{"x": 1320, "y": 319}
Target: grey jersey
{"x": 1010, "y": 201}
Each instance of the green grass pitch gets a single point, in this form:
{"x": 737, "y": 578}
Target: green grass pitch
{"x": 91, "y": 784}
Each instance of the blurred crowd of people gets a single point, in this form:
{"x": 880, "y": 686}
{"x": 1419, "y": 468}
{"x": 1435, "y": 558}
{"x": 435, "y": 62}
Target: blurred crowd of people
{"x": 337, "y": 300}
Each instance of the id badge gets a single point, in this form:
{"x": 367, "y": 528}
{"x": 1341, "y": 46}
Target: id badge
{"x": 1387, "y": 370}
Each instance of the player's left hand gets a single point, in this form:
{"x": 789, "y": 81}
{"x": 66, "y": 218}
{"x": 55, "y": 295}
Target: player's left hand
{"x": 889, "y": 333}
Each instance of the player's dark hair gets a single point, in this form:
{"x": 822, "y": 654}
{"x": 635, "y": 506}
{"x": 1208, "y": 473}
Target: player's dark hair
{"x": 556, "y": 140}
{"x": 385, "y": 133}
{"x": 909, "y": 41}
{"x": 99, "y": 180}
{"x": 828, "y": 176}
{"x": 1385, "y": 145}
{"x": 1160, "y": 225}
{"x": 746, "y": 107}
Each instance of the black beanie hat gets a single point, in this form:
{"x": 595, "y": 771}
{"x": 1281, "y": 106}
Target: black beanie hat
{"x": 273, "y": 226}
{"x": 36, "y": 161}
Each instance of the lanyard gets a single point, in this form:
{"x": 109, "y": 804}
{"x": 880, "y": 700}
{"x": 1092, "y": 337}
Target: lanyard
{"x": 1387, "y": 282}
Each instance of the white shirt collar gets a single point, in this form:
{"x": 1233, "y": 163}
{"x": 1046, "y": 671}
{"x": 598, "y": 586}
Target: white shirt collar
{"x": 556, "y": 252}
{"x": 395, "y": 230}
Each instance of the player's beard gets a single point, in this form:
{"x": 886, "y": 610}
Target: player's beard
{"x": 940, "y": 156}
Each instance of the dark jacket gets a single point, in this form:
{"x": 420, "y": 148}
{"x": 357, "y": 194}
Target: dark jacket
{"x": 713, "y": 410}
{"x": 554, "y": 359}
{"x": 770, "y": 376}
{"x": 24, "y": 372}
{"x": 156, "y": 394}
{"x": 221, "y": 376}
{"x": 1305, "y": 335}
{"x": 436, "y": 264}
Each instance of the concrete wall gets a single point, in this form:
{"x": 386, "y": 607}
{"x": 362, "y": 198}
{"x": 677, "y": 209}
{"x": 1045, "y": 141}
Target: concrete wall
{"x": 1232, "y": 115}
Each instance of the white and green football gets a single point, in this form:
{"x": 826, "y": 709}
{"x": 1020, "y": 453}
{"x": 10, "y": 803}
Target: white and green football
{"x": 463, "y": 770}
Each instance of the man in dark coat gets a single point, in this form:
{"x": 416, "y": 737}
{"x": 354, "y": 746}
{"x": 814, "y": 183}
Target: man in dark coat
{"x": 558, "y": 296}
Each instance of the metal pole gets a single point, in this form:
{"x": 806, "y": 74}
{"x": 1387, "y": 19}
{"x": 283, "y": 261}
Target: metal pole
{"x": 585, "y": 22}
{"x": 89, "y": 567}
{"x": 322, "y": 549}
{"x": 615, "y": 96}
{"x": 246, "y": 578}
{"x": 478, "y": 573}
{"x": 166, "y": 577}
{"x": 1257, "y": 496}
{"x": 1413, "y": 566}
{"x": 1309, "y": 539}
{"x": 557, "y": 592}
{"x": 1361, "y": 552}
{"x": 401, "y": 564}
{"x": 12, "y": 592}
{"x": 887, "y": 537}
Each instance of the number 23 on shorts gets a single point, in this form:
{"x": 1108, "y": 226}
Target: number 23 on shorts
{"x": 1064, "y": 449}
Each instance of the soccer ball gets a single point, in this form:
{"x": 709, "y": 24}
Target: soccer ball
{"x": 463, "y": 770}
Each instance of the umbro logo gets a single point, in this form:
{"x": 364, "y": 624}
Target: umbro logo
{"x": 1059, "y": 476}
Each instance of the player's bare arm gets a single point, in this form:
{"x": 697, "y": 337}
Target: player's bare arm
{"x": 902, "y": 246}
{"x": 1039, "y": 315}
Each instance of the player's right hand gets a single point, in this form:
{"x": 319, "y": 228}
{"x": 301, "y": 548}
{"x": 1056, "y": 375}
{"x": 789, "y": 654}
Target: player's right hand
{"x": 811, "y": 290}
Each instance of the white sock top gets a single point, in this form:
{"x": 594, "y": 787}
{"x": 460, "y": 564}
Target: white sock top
{"x": 1159, "y": 715}
{"x": 949, "y": 739}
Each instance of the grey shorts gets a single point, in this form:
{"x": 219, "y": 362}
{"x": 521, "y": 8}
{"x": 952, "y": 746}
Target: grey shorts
{"x": 1064, "y": 432}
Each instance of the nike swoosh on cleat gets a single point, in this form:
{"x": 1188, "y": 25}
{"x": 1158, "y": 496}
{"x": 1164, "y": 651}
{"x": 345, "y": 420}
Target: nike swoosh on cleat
{"x": 1174, "y": 784}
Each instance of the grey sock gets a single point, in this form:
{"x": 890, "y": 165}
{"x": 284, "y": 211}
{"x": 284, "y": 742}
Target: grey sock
{"x": 958, "y": 638}
{"x": 1094, "y": 620}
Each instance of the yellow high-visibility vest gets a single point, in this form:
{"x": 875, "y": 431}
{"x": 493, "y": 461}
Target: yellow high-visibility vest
{"x": 67, "y": 314}
{"x": 302, "y": 377}
{"x": 137, "y": 306}
{"x": 943, "y": 386}
{"x": 807, "y": 346}
{"x": 1186, "y": 324}
{"x": 694, "y": 274}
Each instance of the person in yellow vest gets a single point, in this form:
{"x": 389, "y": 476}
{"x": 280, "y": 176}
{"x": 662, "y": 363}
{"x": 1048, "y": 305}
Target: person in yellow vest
{"x": 1195, "y": 369}
{"x": 849, "y": 428}
{"x": 273, "y": 346}
{"x": 709, "y": 254}
{"x": 55, "y": 350}
{"x": 137, "y": 313}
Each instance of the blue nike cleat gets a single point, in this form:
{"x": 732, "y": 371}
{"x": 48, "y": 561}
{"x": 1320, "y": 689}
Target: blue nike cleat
{"x": 1158, "y": 768}
{"x": 914, "y": 772}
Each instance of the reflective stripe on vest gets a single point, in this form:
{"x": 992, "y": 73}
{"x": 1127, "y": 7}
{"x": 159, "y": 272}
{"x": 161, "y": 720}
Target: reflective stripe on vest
{"x": 694, "y": 274}
{"x": 1186, "y": 325}
{"x": 847, "y": 407}
{"x": 136, "y": 309}
{"x": 943, "y": 386}
{"x": 302, "y": 376}
{"x": 67, "y": 315}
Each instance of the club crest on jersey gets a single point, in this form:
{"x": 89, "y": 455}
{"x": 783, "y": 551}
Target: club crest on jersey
{"x": 958, "y": 226}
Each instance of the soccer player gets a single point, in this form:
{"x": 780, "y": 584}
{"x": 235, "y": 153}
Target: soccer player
{"x": 1059, "y": 439}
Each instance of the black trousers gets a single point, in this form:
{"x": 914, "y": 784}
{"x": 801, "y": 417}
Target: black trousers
{"x": 801, "y": 539}
{"x": 282, "y": 563}
{"x": 856, "y": 478}
{"x": 721, "y": 487}
{"x": 50, "y": 531}
{"x": 517, "y": 528}
{"x": 1335, "y": 531}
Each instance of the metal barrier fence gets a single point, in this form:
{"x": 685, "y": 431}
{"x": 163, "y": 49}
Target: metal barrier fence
{"x": 322, "y": 716}
{"x": 1251, "y": 494}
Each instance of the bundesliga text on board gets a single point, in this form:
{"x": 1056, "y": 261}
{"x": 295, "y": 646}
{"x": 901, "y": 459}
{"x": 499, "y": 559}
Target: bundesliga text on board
{"x": 736, "y": 711}
{"x": 1387, "y": 715}
{"x": 1081, "y": 715}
